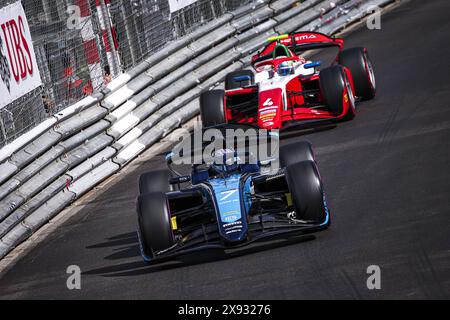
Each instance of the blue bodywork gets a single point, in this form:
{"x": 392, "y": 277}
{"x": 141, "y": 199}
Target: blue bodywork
{"x": 229, "y": 205}
{"x": 232, "y": 205}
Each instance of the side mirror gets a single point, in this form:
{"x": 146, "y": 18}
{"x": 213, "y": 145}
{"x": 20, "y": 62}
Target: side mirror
{"x": 313, "y": 64}
{"x": 242, "y": 78}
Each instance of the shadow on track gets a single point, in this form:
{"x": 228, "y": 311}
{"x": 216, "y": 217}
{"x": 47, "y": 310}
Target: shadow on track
{"x": 303, "y": 129}
{"x": 140, "y": 267}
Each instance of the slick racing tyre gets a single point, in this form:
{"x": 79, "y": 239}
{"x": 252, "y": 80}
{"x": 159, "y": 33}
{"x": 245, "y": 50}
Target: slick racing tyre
{"x": 155, "y": 229}
{"x": 212, "y": 108}
{"x": 296, "y": 152}
{"x": 337, "y": 90}
{"x": 307, "y": 192}
{"x": 232, "y": 83}
{"x": 357, "y": 60}
{"x": 155, "y": 181}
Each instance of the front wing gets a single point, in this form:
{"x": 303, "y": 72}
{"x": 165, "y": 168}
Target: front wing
{"x": 259, "y": 229}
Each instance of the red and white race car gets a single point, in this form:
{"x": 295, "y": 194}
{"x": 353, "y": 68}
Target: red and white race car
{"x": 287, "y": 88}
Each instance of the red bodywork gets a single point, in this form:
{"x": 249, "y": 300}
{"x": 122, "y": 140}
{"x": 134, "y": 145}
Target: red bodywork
{"x": 268, "y": 108}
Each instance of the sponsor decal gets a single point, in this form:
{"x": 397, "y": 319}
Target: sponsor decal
{"x": 173, "y": 220}
{"x": 230, "y": 218}
{"x": 236, "y": 223}
{"x": 227, "y": 194}
{"x": 230, "y": 212}
{"x": 271, "y": 111}
{"x": 268, "y": 116}
{"x": 305, "y": 37}
{"x": 5, "y": 71}
{"x": 233, "y": 231}
{"x": 268, "y": 102}
{"x": 232, "y": 227}
{"x": 268, "y": 124}
{"x": 18, "y": 65}
{"x": 273, "y": 108}
{"x": 268, "y": 112}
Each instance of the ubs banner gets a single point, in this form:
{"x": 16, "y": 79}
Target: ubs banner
{"x": 176, "y": 5}
{"x": 18, "y": 66}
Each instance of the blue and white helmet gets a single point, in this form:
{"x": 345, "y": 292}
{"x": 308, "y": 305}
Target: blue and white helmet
{"x": 225, "y": 161}
{"x": 285, "y": 68}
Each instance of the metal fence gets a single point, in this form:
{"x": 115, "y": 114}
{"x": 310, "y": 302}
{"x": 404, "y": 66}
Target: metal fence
{"x": 81, "y": 45}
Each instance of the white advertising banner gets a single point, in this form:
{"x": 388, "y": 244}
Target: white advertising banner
{"x": 176, "y": 5}
{"x": 19, "y": 73}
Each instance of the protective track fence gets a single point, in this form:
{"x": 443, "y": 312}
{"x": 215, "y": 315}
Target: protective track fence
{"x": 81, "y": 45}
{"x": 57, "y": 162}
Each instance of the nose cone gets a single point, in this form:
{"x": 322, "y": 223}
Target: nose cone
{"x": 269, "y": 109}
{"x": 231, "y": 215}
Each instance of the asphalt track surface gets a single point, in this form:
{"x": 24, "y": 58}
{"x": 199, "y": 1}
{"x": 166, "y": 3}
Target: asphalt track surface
{"x": 387, "y": 178}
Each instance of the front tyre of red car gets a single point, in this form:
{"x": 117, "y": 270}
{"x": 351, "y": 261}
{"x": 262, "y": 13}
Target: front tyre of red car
{"x": 212, "y": 108}
{"x": 358, "y": 62}
{"x": 337, "y": 92}
{"x": 154, "y": 224}
{"x": 308, "y": 196}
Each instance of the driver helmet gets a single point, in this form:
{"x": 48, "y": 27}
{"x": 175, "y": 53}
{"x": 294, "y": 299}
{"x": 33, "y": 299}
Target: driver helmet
{"x": 285, "y": 68}
{"x": 225, "y": 161}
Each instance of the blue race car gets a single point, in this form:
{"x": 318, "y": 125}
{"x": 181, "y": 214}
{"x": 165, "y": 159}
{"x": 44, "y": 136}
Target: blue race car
{"x": 229, "y": 204}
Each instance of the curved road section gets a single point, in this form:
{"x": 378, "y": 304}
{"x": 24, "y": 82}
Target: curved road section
{"x": 386, "y": 174}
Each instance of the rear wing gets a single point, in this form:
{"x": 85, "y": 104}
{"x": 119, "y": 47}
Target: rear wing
{"x": 298, "y": 42}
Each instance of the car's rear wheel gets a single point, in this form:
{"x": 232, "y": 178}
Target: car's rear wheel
{"x": 358, "y": 62}
{"x": 155, "y": 228}
{"x": 307, "y": 192}
{"x": 337, "y": 91}
{"x": 239, "y": 79}
{"x": 296, "y": 152}
{"x": 212, "y": 108}
{"x": 155, "y": 181}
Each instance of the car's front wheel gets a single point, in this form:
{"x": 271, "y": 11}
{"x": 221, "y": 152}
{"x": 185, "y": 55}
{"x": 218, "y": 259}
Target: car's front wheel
{"x": 155, "y": 181}
{"x": 337, "y": 91}
{"x": 212, "y": 108}
{"x": 308, "y": 196}
{"x": 155, "y": 226}
{"x": 296, "y": 152}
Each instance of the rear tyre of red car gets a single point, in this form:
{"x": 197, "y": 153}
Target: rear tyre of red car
{"x": 337, "y": 91}
{"x": 155, "y": 229}
{"x": 358, "y": 62}
{"x": 296, "y": 152}
{"x": 307, "y": 193}
{"x": 212, "y": 108}
{"x": 155, "y": 181}
{"x": 232, "y": 83}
